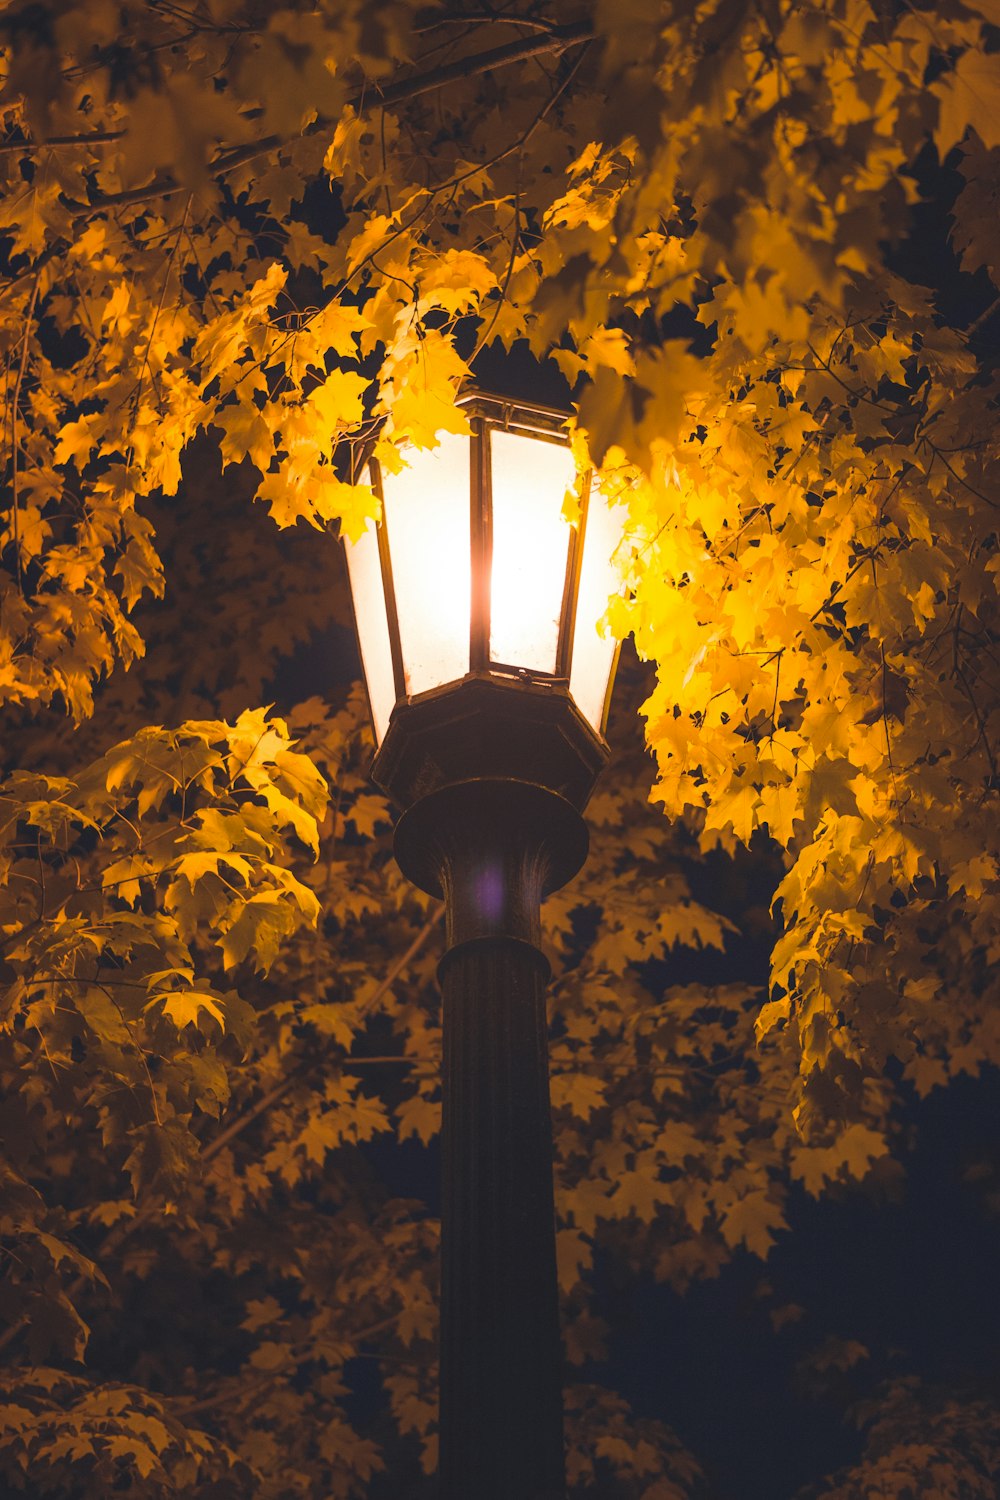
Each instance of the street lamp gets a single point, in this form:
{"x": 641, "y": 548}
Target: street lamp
{"x": 477, "y": 608}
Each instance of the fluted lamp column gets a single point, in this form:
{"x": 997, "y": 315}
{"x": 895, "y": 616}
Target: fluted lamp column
{"x": 477, "y": 607}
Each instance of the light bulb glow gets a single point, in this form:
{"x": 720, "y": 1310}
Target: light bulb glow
{"x": 593, "y": 652}
{"x": 427, "y": 522}
{"x": 530, "y": 478}
{"x": 365, "y": 572}
{"x": 468, "y": 570}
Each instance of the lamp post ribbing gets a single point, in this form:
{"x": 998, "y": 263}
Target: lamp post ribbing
{"x": 501, "y": 1376}
{"x": 494, "y": 848}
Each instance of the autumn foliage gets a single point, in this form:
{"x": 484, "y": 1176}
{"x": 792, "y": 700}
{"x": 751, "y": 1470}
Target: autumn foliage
{"x": 249, "y": 237}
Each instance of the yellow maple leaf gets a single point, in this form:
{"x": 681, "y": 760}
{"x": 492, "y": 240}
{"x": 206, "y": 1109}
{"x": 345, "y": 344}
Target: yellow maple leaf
{"x": 579, "y": 1092}
{"x": 421, "y": 402}
{"x": 336, "y": 326}
{"x": 737, "y": 812}
{"x": 969, "y": 95}
{"x": 608, "y": 346}
{"x": 376, "y": 229}
{"x": 639, "y": 1193}
{"x": 77, "y": 440}
{"x": 859, "y": 1146}
{"x": 116, "y": 309}
{"x": 353, "y": 505}
{"x": 183, "y": 1007}
{"x": 338, "y": 402}
{"x": 750, "y": 1220}
{"x": 457, "y": 281}
{"x": 420, "y": 1117}
{"x": 671, "y": 378}
{"x": 759, "y": 313}
{"x": 246, "y": 433}
{"x": 263, "y": 921}
{"x": 574, "y": 1255}
{"x": 283, "y": 492}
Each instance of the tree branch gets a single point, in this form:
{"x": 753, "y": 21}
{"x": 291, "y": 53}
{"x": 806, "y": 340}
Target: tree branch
{"x": 85, "y": 138}
{"x": 984, "y": 317}
{"x": 14, "y": 499}
{"x": 125, "y": 1228}
{"x": 309, "y": 1065}
{"x": 166, "y": 185}
{"x": 241, "y": 1388}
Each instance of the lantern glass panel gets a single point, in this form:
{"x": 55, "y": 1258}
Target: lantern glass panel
{"x": 365, "y": 572}
{"x": 529, "y": 479}
{"x": 427, "y": 523}
{"x": 593, "y": 651}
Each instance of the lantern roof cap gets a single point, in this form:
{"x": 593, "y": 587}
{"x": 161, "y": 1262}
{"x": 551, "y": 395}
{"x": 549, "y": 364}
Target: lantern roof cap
{"x": 513, "y": 412}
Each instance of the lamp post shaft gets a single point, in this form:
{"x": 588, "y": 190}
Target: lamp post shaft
{"x": 494, "y": 848}
{"x": 501, "y": 1359}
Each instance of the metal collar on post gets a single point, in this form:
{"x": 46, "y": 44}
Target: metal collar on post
{"x": 493, "y": 848}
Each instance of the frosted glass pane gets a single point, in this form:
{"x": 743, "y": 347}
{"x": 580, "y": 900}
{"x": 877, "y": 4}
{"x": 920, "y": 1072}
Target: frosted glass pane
{"x": 530, "y": 544}
{"x": 373, "y": 630}
{"x": 427, "y": 519}
{"x": 593, "y": 653}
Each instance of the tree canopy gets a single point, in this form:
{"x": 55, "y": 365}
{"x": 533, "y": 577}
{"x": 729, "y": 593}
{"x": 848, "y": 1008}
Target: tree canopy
{"x": 263, "y": 236}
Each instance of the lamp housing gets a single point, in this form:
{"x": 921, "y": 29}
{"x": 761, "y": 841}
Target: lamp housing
{"x": 477, "y": 604}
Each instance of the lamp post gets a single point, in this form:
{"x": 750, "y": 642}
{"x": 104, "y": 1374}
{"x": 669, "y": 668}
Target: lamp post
{"x": 476, "y": 605}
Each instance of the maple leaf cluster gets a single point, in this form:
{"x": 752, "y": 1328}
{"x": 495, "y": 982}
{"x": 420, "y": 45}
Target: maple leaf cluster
{"x": 261, "y": 239}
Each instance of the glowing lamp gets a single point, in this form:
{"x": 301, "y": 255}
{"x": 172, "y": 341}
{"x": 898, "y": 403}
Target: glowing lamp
{"x": 474, "y": 573}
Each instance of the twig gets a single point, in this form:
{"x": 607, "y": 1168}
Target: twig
{"x": 85, "y": 138}
{"x": 515, "y": 240}
{"x": 125, "y": 1228}
{"x": 242, "y": 1388}
{"x": 165, "y": 186}
{"x": 984, "y": 317}
{"x": 152, "y": 328}
{"x": 310, "y": 1065}
{"x": 14, "y": 515}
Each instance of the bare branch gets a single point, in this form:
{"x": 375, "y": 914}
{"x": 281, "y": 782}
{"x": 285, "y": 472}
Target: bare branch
{"x": 552, "y": 43}
{"x": 125, "y": 1228}
{"x": 15, "y": 513}
{"x": 302, "y": 1071}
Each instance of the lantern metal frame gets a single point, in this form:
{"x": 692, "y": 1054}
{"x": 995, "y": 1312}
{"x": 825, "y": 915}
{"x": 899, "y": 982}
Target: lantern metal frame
{"x": 488, "y": 414}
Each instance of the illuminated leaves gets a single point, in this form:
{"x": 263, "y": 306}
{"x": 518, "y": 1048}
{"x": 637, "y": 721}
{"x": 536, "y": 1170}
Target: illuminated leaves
{"x": 694, "y": 222}
{"x": 969, "y": 95}
{"x": 667, "y": 1139}
{"x": 919, "y": 1439}
{"x": 213, "y": 866}
{"x": 788, "y": 695}
{"x": 420, "y": 401}
{"x": 751, "y": 1220}
{"x": 112, "y": 1430}
{"x": 337, "y": 403}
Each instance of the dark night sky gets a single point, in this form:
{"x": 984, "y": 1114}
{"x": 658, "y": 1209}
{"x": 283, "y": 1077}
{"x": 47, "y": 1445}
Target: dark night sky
{"x": 914, "y": 1281}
